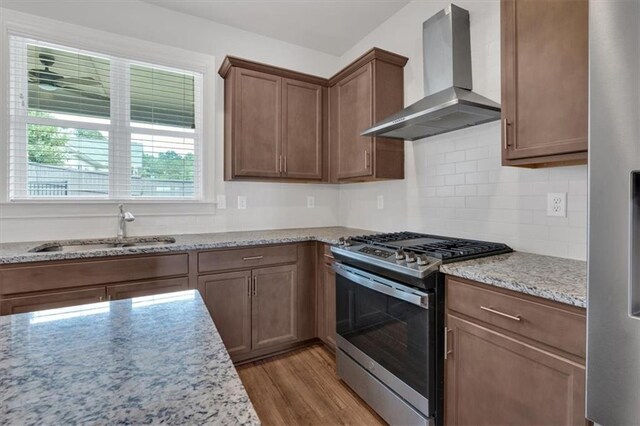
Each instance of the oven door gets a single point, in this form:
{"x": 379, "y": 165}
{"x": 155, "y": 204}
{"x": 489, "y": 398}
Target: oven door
{"x": 388, "y": 328}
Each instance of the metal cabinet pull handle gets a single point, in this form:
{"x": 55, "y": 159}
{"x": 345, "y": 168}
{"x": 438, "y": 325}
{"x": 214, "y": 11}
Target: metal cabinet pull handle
{"x": 248, "y": 286}
{"x": 505, "y": 132}
{"x": 255, "y": 286}
{"x": 493, "y": 311}
{"x": 100, "y": 299}
{"x": 280, "y": 164}
{"x": 447, "y": 351}
{"x": 366, "y": 159}
{"x": 252, "y": 258}
{"x": 285, "y": 164}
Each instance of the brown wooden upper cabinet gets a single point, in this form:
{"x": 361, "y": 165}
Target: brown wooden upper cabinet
{"x": 277, "y": 121}
{"x": 368, "y": 90}
{"x": 544, "y": 82}
{"x": 274, "y": 126}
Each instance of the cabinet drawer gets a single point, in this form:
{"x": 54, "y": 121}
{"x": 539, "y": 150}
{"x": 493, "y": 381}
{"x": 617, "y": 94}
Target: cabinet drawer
{"x": 551, "y": 325}
{"x": 41, "y": 301}
{"x": 147, "y": 288}
{"x": 245, "y": 258}
{"x": 49, "y": 276}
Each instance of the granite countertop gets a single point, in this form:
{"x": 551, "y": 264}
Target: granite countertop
{"x": 19, "y": 252}
{"x": 553, "y": 278}
{"x": 145, "y": 360}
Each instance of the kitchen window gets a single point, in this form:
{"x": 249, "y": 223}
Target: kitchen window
{"x": 87, "y": 126}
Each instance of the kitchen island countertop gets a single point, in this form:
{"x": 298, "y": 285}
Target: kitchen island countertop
{"x": 151, "y": 360}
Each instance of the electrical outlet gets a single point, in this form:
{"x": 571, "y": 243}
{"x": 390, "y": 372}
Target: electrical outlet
{"x": 380, "y": 202}
{"x": 557, "y": 204}
{"x": 311, "y": 202}
{"x": 221, "y": 202}
{"x": 242, "y": 202}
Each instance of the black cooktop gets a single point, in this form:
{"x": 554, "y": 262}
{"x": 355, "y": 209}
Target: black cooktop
{"x": 445, "y": 248}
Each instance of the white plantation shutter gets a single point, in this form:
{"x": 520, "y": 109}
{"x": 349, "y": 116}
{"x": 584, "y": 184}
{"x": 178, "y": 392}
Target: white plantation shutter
{"x": 84, "y": 125}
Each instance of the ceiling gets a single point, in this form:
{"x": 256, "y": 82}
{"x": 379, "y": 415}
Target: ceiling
{"x": 331, "y": 26}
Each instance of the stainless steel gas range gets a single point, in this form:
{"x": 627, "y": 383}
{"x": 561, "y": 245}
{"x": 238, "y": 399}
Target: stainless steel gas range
{"x": 390, "y": 319}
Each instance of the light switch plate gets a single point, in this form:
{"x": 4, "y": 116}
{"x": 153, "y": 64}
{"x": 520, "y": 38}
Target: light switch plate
{"x": 242, "y": 202}
{"x": 557, "y": 204}
{"x": 221, "y": 202}
{"x": 380, "y": 202}
{"x": 311, "y": 202}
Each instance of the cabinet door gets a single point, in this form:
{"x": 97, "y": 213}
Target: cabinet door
{"x": 59, "y": 299}
{"x": 302, "y": 129}
{"x": 257, "y": 124}
{"x": 492, "y": 379}
{"x": 353, "y": 114}
{"x": 228, "y": 298}
{"x": 544, "y": 78}
{"x": 274, "y": 306}
{"x": 329, "y": 305}
{"x": 147, "y": 288}
{"x": 326, "y": 296}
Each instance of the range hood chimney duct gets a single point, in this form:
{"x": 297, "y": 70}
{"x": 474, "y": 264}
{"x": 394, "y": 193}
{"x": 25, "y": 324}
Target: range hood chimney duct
{"x": 449, "y": 104}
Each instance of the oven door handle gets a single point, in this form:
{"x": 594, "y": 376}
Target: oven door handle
{"x": 381, "y": 285}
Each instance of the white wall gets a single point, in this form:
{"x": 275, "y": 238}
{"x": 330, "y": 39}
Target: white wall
{"x": 454, "y": 182}
{"x": 268, "y": 205}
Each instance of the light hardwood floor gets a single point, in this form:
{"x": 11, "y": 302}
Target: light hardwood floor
{"x": 302, "y": 388}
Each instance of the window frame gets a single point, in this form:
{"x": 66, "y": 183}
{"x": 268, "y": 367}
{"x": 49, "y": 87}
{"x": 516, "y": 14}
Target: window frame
{"x": 119, "y": 50}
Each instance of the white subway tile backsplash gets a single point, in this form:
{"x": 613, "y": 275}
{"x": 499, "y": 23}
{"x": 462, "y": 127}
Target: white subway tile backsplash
{"x": 464, "y": 190}
{"x": 454, "y": 157}
{"x": 446, "y": 169}
{"x": 458, "y": 179}
{"x": 478, "y": 153}
{"x": 477, "y": 177}
{"x": 478, "y": 198}
{"x": 445, "y": 191}
{"x": 466, "y": 167}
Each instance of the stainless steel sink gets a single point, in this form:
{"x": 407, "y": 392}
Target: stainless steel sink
{"x": 104, "y": 243}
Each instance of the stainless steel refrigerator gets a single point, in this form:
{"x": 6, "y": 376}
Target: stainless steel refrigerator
{"x": 613, "y": 313}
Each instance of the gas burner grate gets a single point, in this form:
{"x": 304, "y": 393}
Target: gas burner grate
{"x": 444, "y": 248}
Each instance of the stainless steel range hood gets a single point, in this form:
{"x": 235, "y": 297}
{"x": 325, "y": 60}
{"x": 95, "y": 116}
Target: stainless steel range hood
{"x": 449, "y": 104}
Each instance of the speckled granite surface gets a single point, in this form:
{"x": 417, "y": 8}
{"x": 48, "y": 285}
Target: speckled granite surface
{"x": 135, "y": 361}
{"x": 562, "y": 280}
{"x": 19, "y": 252}
{"x": 553, "y": 278}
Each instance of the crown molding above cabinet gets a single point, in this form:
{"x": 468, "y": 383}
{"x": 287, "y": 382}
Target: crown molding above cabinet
{"x": 286, "y": 126}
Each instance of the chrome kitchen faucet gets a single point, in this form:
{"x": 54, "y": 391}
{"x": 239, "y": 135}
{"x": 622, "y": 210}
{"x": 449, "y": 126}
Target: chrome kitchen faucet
{"x": 123, "y": 218}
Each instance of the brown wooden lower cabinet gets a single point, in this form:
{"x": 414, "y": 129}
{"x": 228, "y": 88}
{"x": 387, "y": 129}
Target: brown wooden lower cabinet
{"x": 326, "y": 297}
{"x": 506, "y": 363}
{"x": 493, "y": 379}
{"x": 274, "y": 306}
{"x": 228, "y": 297}
{"x": 263, "y": 310}
{"x": 146, "y": 288}
{"x": 51, "y": 300}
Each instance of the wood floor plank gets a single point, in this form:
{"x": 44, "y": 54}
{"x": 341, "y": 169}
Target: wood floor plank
{"x": 302, "y": 388}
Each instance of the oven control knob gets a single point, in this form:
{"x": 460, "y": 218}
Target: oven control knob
{"x": 423, "y": 260}
{"x": 410, "y": 257}
{"x": 400, "y": 254}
